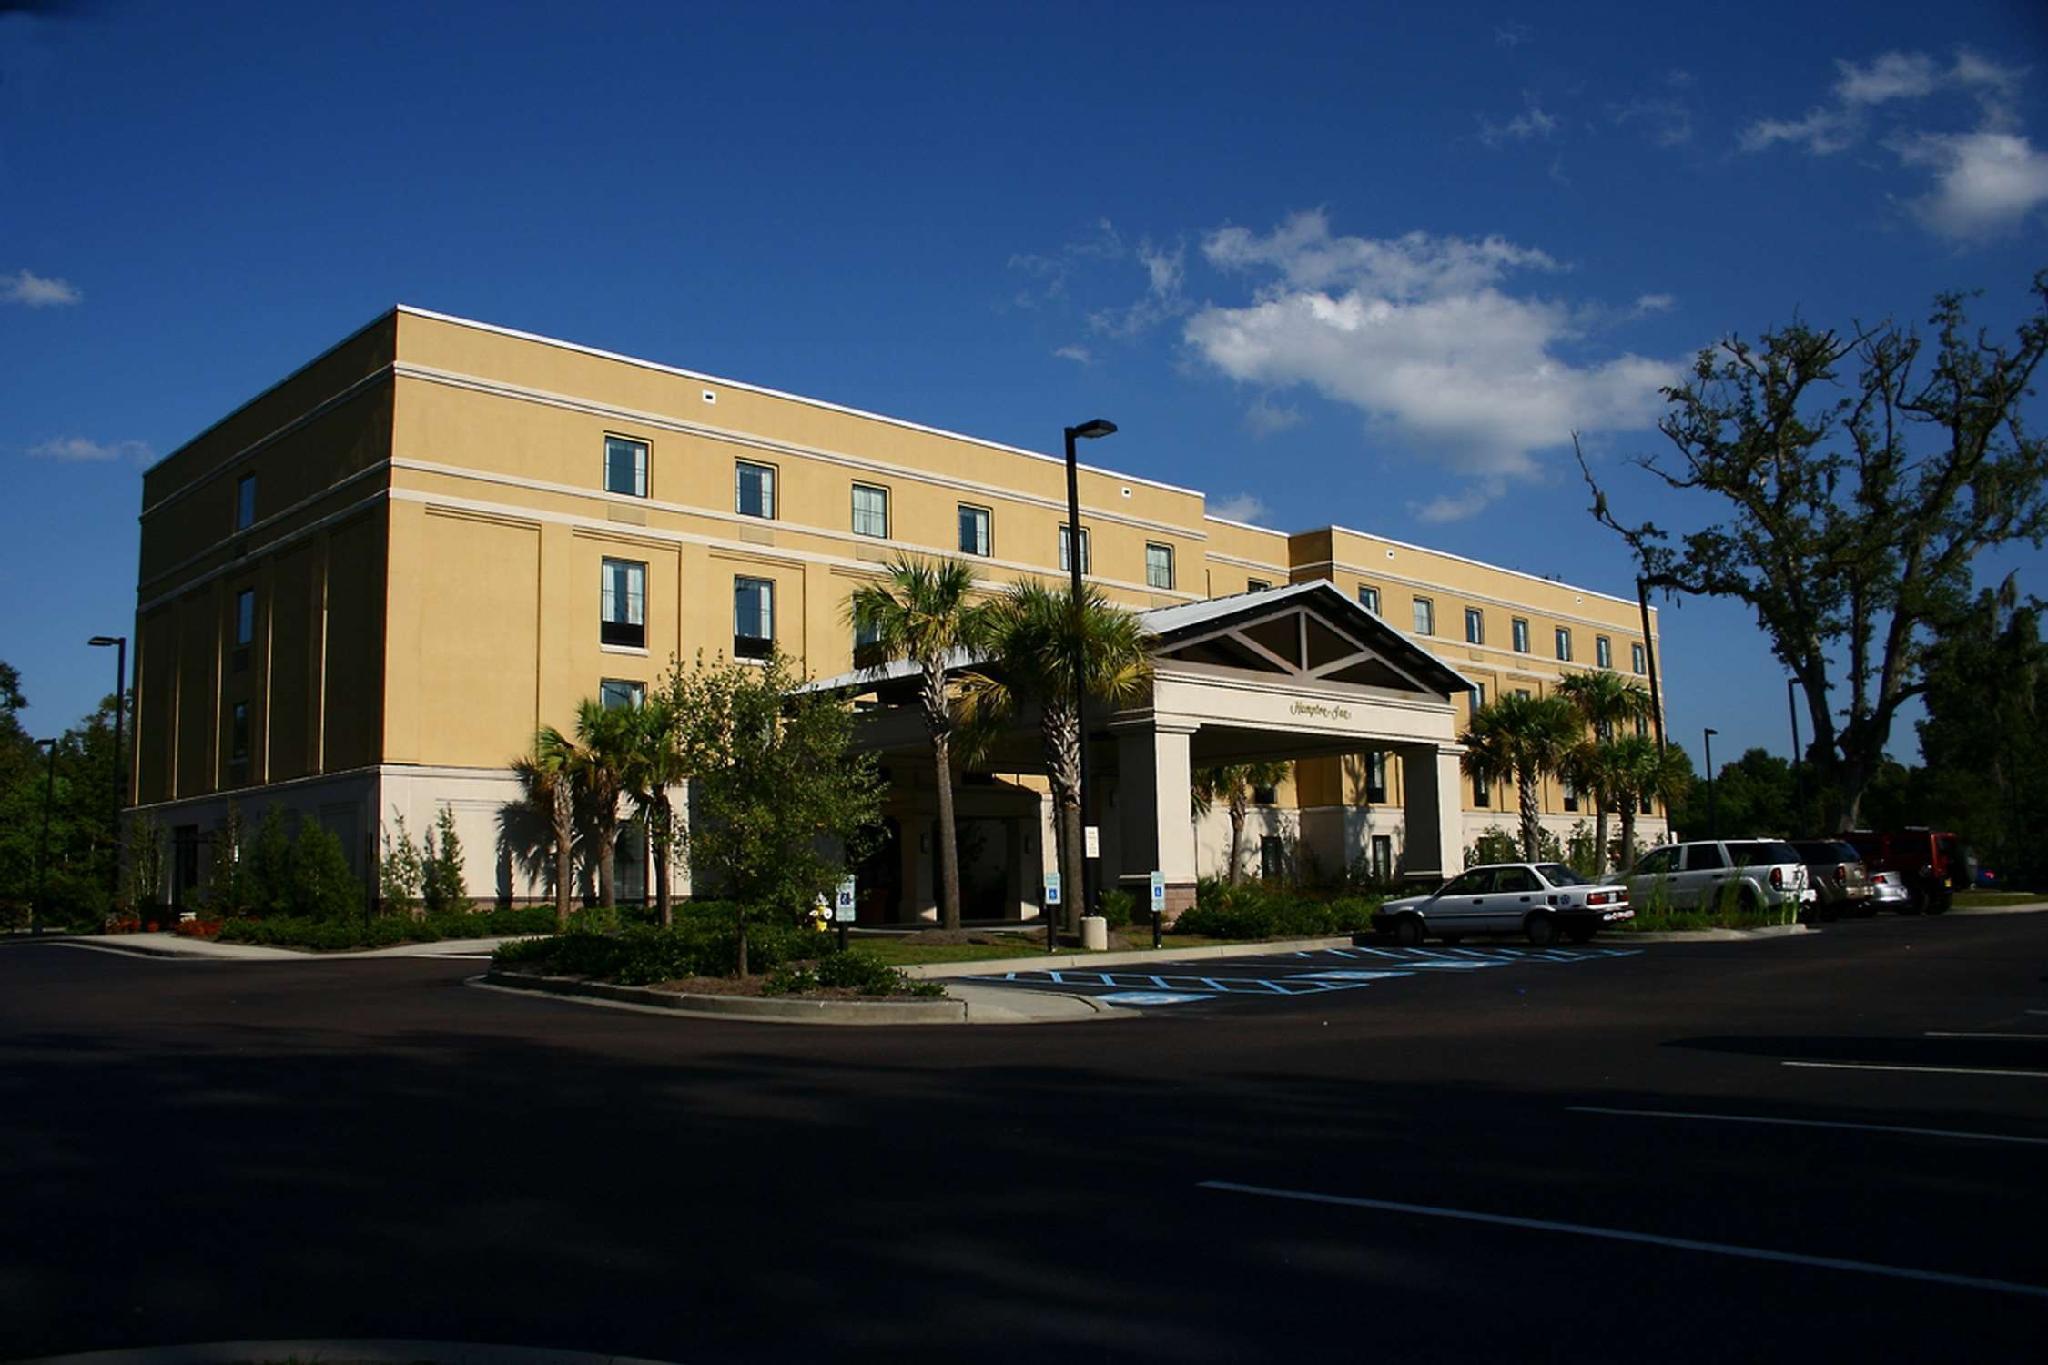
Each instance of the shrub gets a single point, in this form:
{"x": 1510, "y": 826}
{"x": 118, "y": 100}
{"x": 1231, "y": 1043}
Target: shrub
{"x": 441, "y": 882}
{"x": 321, "y": 886}
{"x": 1256, "y": 910}
{"x": 1118, "y": 905}
{"x": 401, "y": 870}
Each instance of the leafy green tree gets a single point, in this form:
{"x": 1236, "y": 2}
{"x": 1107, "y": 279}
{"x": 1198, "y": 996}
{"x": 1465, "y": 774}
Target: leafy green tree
{"x": 401, "y": 872}
{"x": 923, "y": 611}
{"x": 1233, "y": 784}
{"x": 1607, "y": 704}
{"x": 780, "y": 800}
{"x": 267, "y": 866}
{"x": 1521, "y": 740}
{"x": 148, "y": 862}
{"x": 550, "y": 790}
{"x": 442, "y": 885}
{"x": 1032, "y": 632}
{"x": 1646, "y": 773}
{"x": 654, "y": 766}
{"x": 595, "y": 758}
{"x": 320, "y": 883}
{"x": 1753, "y": 797}
{"x": 1851, "y": 509}
{"x": 227, "y": 882}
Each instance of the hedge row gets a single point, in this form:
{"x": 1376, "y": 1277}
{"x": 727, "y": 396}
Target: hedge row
{"x": 796, "y": 961}
{"x": 1254, "y": 910}
{"x": 383, "y": 931}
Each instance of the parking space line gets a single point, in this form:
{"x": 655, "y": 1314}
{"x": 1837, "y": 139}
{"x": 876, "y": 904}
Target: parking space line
{"x": 2031, "y": 1037}
{"x": 2033, "y": 1291}
{"x": 1939, "y": 1070}
{"x": 1809, "y": 1123}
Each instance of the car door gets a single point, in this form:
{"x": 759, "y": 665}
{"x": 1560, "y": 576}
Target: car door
{"x": 1649, "y": 882}
{"x": 1516, "y": 891}
{"x": 1454, "y": 907}
{"x": 1706, "y": 866}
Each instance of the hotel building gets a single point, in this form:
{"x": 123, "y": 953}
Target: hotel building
{"x": 361, "y": 592}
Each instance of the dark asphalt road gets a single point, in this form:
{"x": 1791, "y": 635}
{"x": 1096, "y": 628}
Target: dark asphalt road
{"x": 199, "y": 1151}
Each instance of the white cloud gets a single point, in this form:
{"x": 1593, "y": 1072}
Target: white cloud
{"x": 31, "y": 290}
{"x": 1457, "y": 506}
{"x": 1417, "y": 333}
{"x": 1666, "y": 120}
{"x": 1512, "y": 34}
{"x": 1532, "y": 122}
{"x": 1080, "y": 355}
{"x": 81, "y": 450}
{"x": 1823, "y": 131}
{"x": 1164, "y": 273}
{"x": 1984, "y": 182}
{"x": 1892, "y": 76}
{"x": 1267, "y": 418}
{"x": 1647, "y": 304}
{"x": 1241, "y": 507}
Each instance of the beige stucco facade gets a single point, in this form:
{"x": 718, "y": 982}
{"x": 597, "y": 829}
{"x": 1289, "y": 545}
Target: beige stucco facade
{"x": 428, "y": 525}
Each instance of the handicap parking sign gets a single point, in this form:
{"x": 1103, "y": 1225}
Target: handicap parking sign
{"x": 1052, "y": 888}
{"x": 842, "y": 904}
{"x": 1159, "y": 892}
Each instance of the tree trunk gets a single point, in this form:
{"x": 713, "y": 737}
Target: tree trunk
{"x": 1525, "y": 793}
{"x": 1600, "y": 836}
{"x": 1074, "y": 876}
{"x": 565, "y": 857}
{"x": 739, "y": 924}
{"x": 1060, "y": 735}
{"x": 607, "y": 856}
{"x": 949, "y": 846}
{"x": 1628, "y": 834}
{"x": 1236, "y": 843}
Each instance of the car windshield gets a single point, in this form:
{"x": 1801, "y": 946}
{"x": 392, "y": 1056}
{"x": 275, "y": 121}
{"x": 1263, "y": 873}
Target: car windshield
{"x": 1815, "y": 851}
{"x": 1763, "y": 853}
{"x": 1557, "y": 874}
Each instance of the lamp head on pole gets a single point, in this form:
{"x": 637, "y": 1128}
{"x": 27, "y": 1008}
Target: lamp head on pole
{"x": 1712, "y": 731}
{"x": 1092, "y": 430}
{"x": 104, "y": 641}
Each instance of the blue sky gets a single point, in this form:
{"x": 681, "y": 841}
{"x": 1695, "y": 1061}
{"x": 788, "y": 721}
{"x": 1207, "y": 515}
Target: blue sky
{"x": 1000, "y": 220}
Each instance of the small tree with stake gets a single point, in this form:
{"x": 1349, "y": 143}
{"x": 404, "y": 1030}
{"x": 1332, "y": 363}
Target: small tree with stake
{"x": 778, "y": 796}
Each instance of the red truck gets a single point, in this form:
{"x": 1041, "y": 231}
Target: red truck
{"x": 1929, "y": 861}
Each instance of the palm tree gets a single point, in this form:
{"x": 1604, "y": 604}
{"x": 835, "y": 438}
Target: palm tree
{"x": 595, "y": 760}
{"x": 1032, "y": 631}
{"x": 1521, "y": 740}
{"x": 921, "y": 611}
{"x": 551, "y": 791}
{"x": 1605, "y": 702}
{"x": 1644, "y": 772}
{"x": 653, "y": 765}
{"x": 1234, "y": 784}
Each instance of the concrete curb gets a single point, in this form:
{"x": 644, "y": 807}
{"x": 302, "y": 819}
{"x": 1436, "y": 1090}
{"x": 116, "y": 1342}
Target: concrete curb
{"x": 352, "y": 1352}
{"x": 162, "y": 946}
{"x": 2027, "y": 908}
{"x": 1621, "y": 936}
{"x": 780, "y": 1009}
{"x": 1123, "y": 957}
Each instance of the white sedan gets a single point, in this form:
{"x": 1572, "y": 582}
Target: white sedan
{"x": 1545, "y": 901}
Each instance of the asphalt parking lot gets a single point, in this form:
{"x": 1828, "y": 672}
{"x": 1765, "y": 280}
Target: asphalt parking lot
{"x": 1269, "y": 981}
{"x": 1820, "y": 1147}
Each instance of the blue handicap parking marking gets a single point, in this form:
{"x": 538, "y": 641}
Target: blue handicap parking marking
{"x": 1150, "y": 998}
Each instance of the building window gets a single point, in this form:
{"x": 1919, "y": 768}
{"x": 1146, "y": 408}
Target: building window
{"x": 867, "y": 643}
{"x": 1256, "y": 585}
{"x": 616, "y": 692}
{"x": 1264, "y": 796}
{"x": 1272, "y": 858}
{"x": 1383, "y": 857}
{"x": 1482, "y": 795}
{"x": 238, "y": 740}
{"x": 245, "y": 502}
{"x": 624, "y": 620}
{"x": 1369, "y": 598}
{"x": 1638, "y": 658}
{"x": 1159, "y": 566}
{"x": 1425, "y": 616}
{"x": 1521, "y": 634}
{"x": 1603, "y": 651}
{"x": 1375, "y": 778}
{"x": 245, "y": 617}
{"x": 974, "y": 524}
{"x": 1642, "y": 728}
{"x": 1522, "y": 692}
{"x": 1478, "y": 696}
{"x": 753, "y": 618}
{"x": 1646, "y": 807}
{"x": 1571, "y": 799}
{"x": 1564, "y": 644}
{"x": 756, "y": 494}
{"x": 1065, "y": 537}
{"x": 625, "y": 466}
{"x": 870, "y": 510}
{"x": 1475, "y": 626}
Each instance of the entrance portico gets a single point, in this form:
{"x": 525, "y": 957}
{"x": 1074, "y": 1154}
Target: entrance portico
{"x": 1289, "y": 673}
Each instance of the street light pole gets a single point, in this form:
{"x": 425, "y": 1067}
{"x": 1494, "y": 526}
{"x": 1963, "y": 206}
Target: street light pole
{"x": 43, "y": 844}
{"x": 120, "y": 644}
{"x": 1792, "y": 707}
{"x": 1087, "y": 431}
{"x": 1713, "y": 819}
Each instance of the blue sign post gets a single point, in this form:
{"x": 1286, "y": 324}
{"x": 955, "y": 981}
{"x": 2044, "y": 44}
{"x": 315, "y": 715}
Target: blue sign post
{"x": 1158, "y": 906}
{"x": 1051, "y": 904}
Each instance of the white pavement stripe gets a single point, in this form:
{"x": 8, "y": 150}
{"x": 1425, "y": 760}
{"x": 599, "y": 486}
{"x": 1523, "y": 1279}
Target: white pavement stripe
{"x": 1808, "y": 1123}
{"x": 1647, "y": 1239}
{"x": 1940, "y": 1070}
{"x": 2033, "y": 1037}
{"x": 2037, "y": 1011}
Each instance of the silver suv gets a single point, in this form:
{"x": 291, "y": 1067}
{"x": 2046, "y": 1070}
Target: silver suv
{"x": 1760, "y": 874}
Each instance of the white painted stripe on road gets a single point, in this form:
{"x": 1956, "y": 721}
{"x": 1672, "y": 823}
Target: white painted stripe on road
{"x": 2032, "y": 1291}
{"x": 1809, "y": 1123}
{"x": 2034, "y": 1037}
{"x": 1938, "y": 1070}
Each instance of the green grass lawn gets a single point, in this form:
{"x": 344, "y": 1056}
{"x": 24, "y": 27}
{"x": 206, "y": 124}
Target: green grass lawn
{"x": 1973, "y": 898}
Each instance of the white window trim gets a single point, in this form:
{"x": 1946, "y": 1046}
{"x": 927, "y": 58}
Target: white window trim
{"x": 1150, "y": 546}
{"x": 640, "y": 468}
{"x": 774, "y": 489}
{"x": 853, "y": 509}
{"x": 1087, "y": 551}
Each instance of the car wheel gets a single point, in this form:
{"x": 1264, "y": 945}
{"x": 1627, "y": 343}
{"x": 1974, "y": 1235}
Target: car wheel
{"x": 1914, "y": 903}
{"x": 1583, "y": 934}
{"x": 1938, "y": 903}
{"x": 1408, "y": 930}
{"x": 1541, "y": 929}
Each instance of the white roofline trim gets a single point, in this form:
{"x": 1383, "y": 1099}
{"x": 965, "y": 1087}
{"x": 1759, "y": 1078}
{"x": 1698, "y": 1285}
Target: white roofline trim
{"x": 1467, "y": 559}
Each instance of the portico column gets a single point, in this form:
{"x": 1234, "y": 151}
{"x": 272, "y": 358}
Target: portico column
{"x": 1154, "y": 781}
{"x": 1432, "y": 809}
